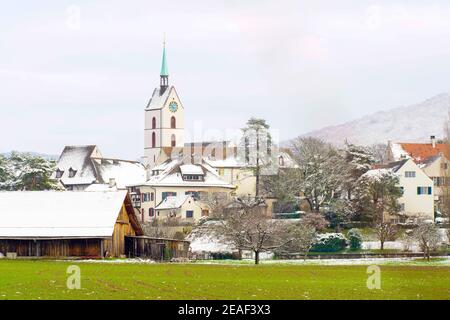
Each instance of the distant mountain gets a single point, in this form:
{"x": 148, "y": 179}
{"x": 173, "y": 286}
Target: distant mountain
{"x": 404, "y": 124}
{"x": 36, "y": 154}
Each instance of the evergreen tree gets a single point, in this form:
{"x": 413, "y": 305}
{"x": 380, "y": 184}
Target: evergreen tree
{"x": 257, "y": 147}
{"x": 30, "y": 173}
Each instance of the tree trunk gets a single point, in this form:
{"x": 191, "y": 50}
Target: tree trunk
{"x": 382, "y": 245}
{"x": 256, "y": 257}
{"x": 428, "y": 254}
{"x": 240, "y": 254}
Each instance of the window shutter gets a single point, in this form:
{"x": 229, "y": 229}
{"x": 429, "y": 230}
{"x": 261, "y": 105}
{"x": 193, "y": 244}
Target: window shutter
{"x": 429, "y": 190}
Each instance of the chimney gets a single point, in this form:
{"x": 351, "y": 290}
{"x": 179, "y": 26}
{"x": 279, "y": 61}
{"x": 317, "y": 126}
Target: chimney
{"x": 112, "y": 182}
{"x": 433, "y": 141}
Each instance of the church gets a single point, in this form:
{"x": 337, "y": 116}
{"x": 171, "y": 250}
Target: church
{"x": 172, "y": 172}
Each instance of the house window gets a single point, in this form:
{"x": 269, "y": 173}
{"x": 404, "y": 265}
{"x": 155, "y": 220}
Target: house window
{"x": 154, "y": 123}
{"x": 192, "y": 177}
{"x": 173, "y": 140}
{"x": 72, "y": 173}
{"x": 193, "y": 194}
{"x": 173, "y": 123}
{"x": 153, "y": 140}
{"x": 189, "y": 214}
{"x": 444, "y": 166}
{"x": 59, "y": 174}
{"x": 152, "y": 196}
{"x": 151, "y": 212}
{"x": 168, "y": 194}
{"x": 424, "y": 190}
{"x": 410, "y": 174}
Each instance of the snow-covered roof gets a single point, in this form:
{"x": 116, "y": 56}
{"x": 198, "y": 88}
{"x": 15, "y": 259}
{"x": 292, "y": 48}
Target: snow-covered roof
{"x": 122, "y": 171}
{"x": 158, "y": 101}
{"x": 173, "y": 202}
{"x": 172, "y": 176}
{"x": 191, "y": 169}
{"x": 100, "y": 187}
{"x": 63, "y": 214}
{"x": 78, "y": 160}
{"x": 230, "y": 162}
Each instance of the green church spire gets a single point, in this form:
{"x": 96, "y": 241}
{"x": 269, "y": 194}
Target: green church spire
{"x": 164, "y": 69}
{"x": 164, "y": 82}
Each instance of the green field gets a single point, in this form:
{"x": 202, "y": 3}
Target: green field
{"x": 25, "y": 279}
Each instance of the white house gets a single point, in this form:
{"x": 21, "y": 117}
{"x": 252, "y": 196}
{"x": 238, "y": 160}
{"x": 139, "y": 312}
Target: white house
{"x": 184, "y": 207}
{"x": 417, "y": 188}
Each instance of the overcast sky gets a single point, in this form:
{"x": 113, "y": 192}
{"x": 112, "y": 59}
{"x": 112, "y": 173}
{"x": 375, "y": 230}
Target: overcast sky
{"x": 81, "y": 72}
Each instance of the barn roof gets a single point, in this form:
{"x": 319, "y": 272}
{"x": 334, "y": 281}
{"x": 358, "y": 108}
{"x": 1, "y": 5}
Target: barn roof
{"x": 61, "y": 214}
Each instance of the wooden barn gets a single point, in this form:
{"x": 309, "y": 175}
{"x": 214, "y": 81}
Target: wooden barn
{"x": 66, "y": 224}
{"x": 158, "y": 249}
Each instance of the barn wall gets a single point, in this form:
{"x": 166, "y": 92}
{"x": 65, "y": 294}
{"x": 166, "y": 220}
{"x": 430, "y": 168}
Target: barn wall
{"x": 156, "y": 249}
{"x": 53, "y": 248}
{"x": 122, "y": 228}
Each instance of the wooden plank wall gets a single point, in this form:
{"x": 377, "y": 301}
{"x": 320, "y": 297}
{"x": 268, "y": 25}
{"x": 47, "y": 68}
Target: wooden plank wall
{"x": 116, "y": 246}
{"x": 156, "y": 249}
{"x": 53, "y": 248}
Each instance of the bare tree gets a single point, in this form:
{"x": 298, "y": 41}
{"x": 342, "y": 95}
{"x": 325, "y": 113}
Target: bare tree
{"x": 377, "y": 193}
{"x": 303, "y": 237}
{"x": 245, "y": 225}
{"x": 321, "y": 166}
{"x": 216, "y": 202}
{"x": 428, "y": 236}
{"x": 315, "y": 221}
{"x": 385, "y": 231}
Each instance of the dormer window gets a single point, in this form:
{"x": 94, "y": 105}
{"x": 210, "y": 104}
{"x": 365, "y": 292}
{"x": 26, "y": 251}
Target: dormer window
{"x": 192, "y": 172}
{"x": 59, "y": 174}
{"x": 192, "y": 177}
{"x": 72, "y": 173}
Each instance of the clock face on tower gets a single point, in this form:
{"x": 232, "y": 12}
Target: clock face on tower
{"x": 173, "y": 106}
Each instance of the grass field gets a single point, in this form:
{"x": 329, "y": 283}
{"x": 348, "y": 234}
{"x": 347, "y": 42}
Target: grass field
{"x": 25, "y": 279}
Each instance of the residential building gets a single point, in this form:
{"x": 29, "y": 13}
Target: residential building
{"x": 83, "y": 168}
{"x": 176, "y": 178}
{"x": 433, "y": 158}
{"x": 417, "y": 200}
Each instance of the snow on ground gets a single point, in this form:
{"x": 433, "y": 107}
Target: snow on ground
{"x": 442, "y": 261}
{"x": 371, "y": 245}
{"x": 115, "y": 261}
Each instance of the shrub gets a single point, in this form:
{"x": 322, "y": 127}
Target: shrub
{"x": 330, "y": 242}
{"x": 355, "y": 239}
{"x": 222, "y": 256}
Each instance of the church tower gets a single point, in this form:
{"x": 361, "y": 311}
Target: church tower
{"x": 164, "y": 119}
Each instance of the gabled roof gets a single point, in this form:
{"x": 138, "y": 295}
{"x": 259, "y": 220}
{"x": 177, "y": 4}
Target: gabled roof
{"x": 392, "y": 166}
{"x": 63, "y": 214}
{"x": 158, "y": 101}
{"x": 191, "y": 169}
{"x": 78, "y": 160}
{"x": 171, "y": 175}
{"x": 419, "y": 151}
{"x": 173, "y": 202}
{"x": 426, "y": 162}
{"x": 124, "y": 172}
